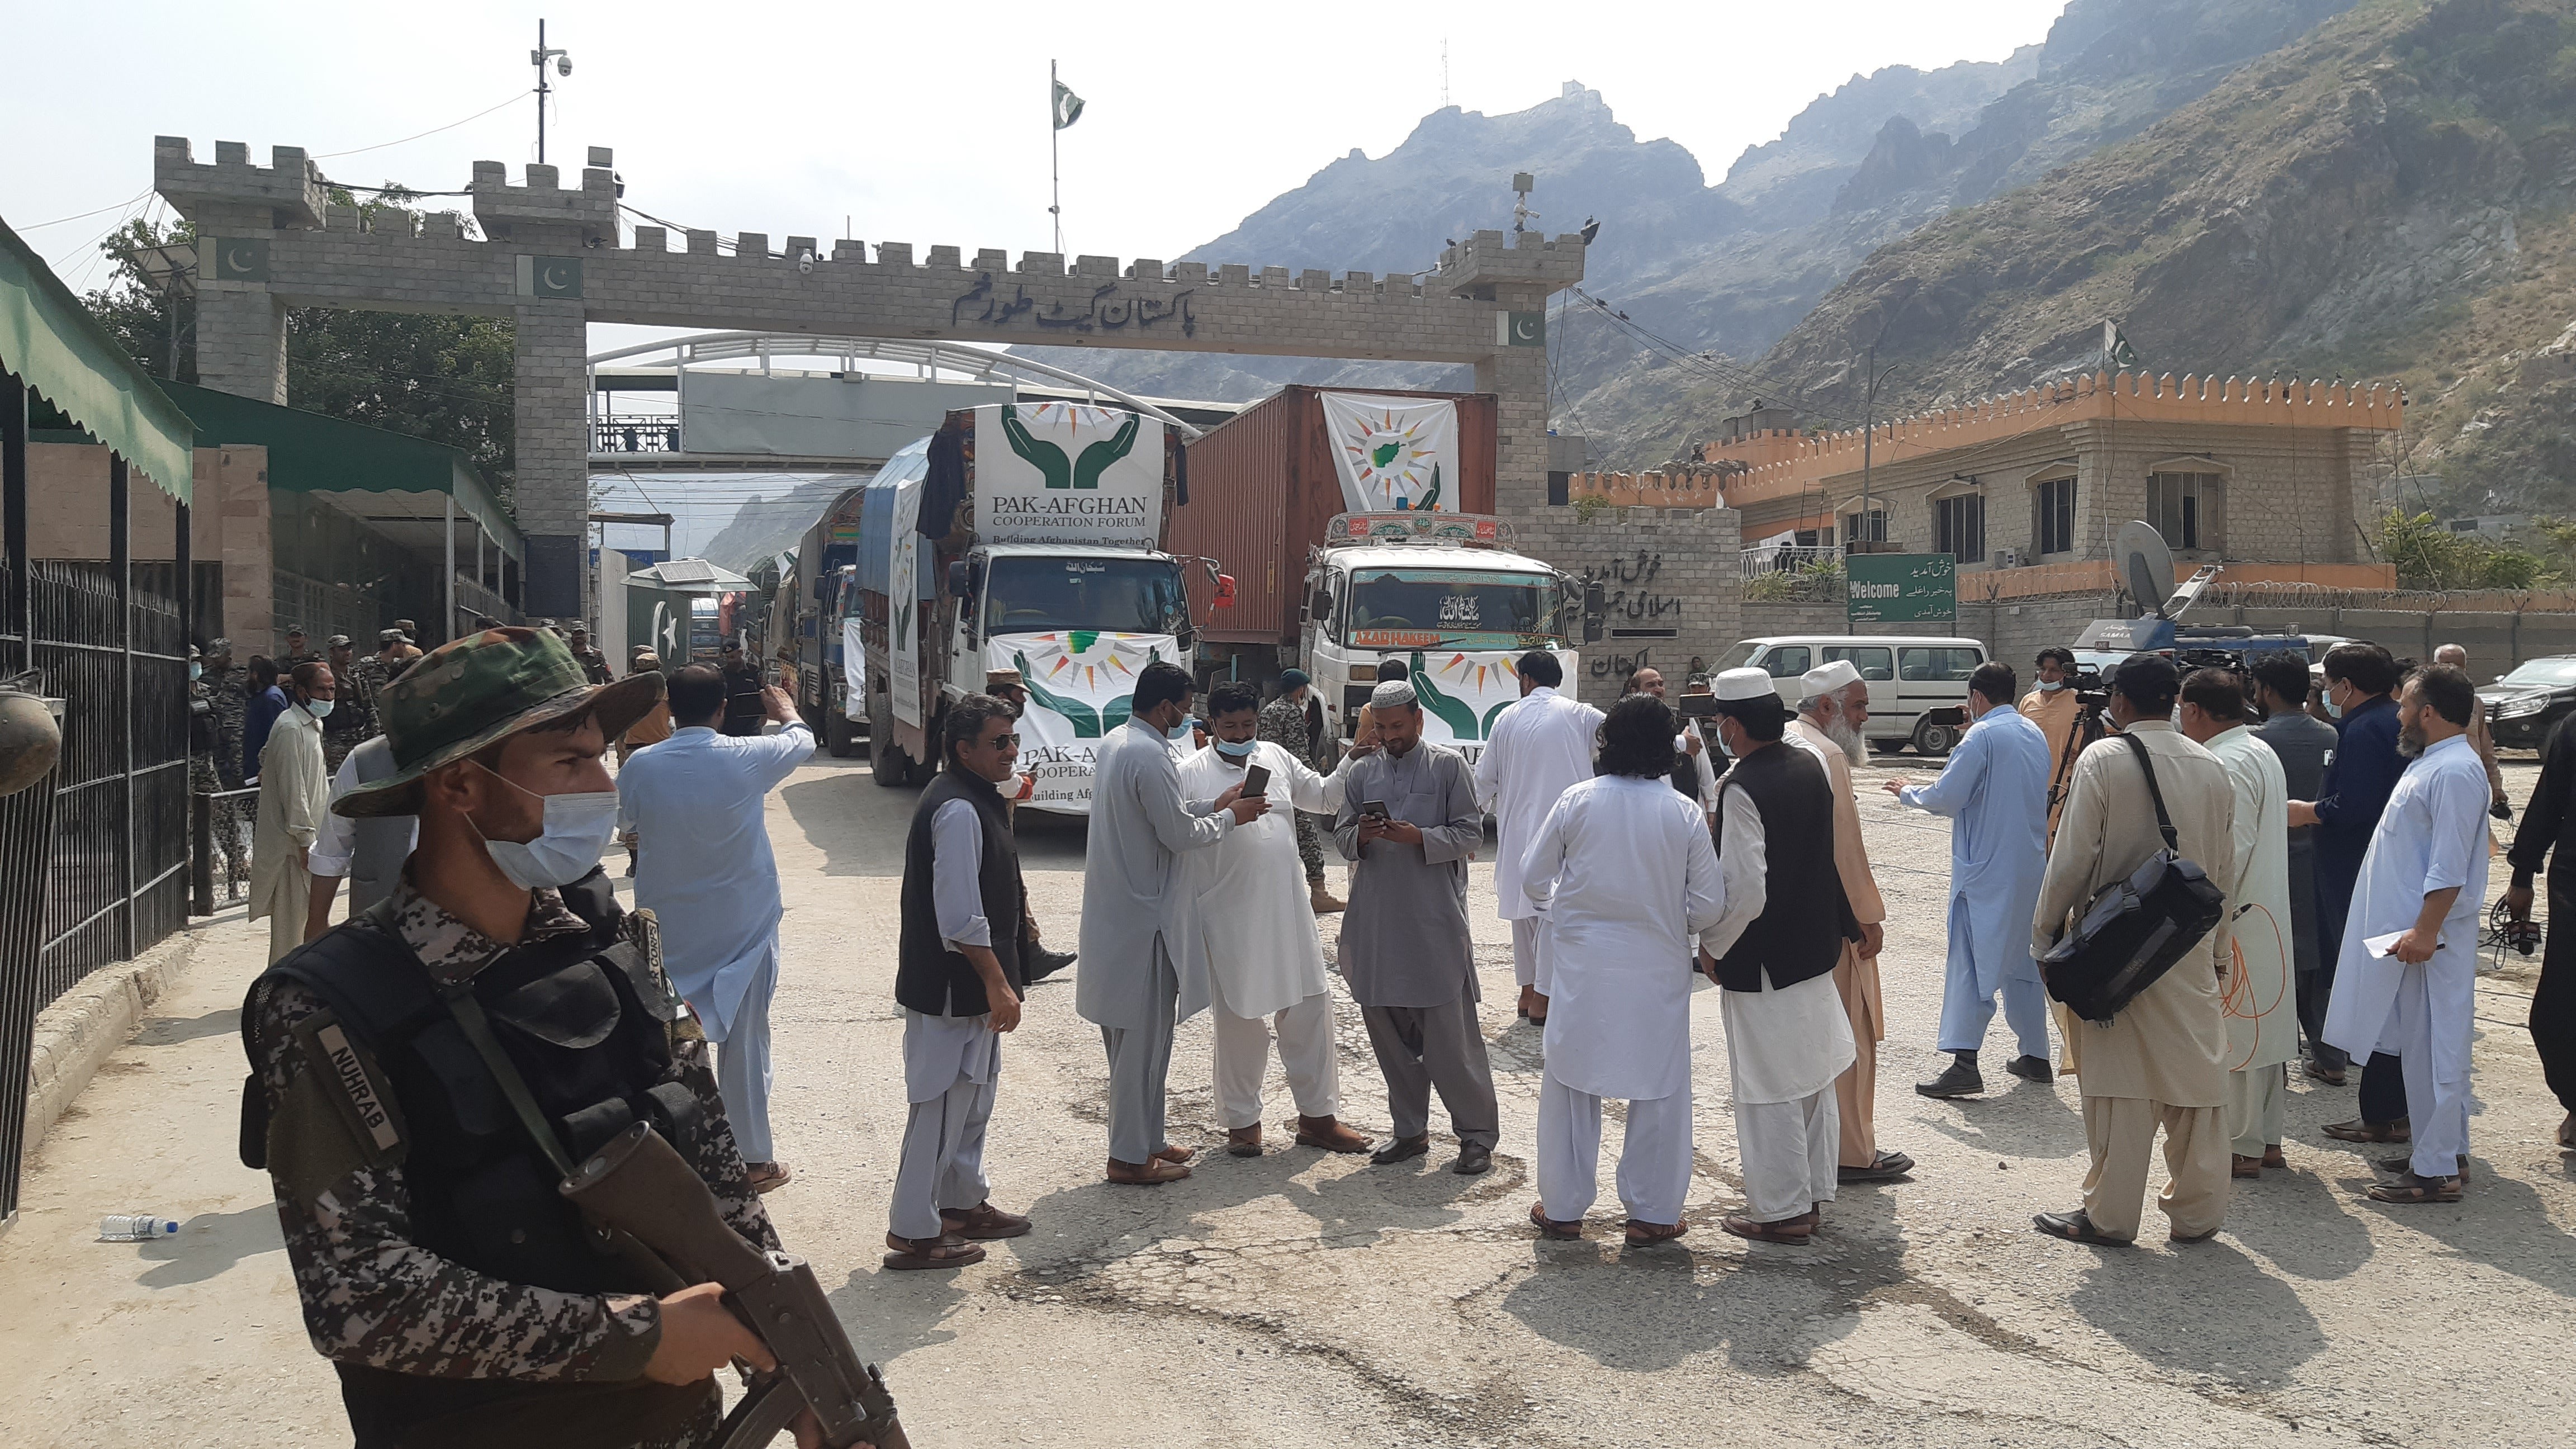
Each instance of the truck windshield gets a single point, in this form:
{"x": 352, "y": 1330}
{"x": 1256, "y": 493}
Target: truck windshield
{"x": 1033, "y": 595}
{"x": 1415, "y": 608}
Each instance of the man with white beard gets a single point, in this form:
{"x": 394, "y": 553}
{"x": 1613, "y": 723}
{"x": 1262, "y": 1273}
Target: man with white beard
{"x": 1835, "y": 706}
{"x": 1245, "y": 920}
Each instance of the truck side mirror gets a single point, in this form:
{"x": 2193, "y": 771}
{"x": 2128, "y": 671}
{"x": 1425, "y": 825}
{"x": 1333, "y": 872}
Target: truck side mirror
{"x": 958, "y": 586}
{"x": 1224, "y": 592}
{"x": 1593, "y": 611}
{"x": 1321, "y": 608}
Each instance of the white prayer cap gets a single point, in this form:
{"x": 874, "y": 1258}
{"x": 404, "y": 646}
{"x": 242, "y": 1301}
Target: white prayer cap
{"x": 1391, "y": 694}
{"x": 1827, "y": 677}
{"x": 1743, "y": 684}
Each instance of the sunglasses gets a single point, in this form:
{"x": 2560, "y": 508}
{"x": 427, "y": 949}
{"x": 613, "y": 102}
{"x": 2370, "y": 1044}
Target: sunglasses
{"x": 1005, "y": 742}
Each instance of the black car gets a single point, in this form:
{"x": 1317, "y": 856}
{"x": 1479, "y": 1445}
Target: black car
{"x": 2524, "y": 706}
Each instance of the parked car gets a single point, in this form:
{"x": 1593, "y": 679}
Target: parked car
{"x": 1918, "y": 687}
{"x": 2524, "y": 706}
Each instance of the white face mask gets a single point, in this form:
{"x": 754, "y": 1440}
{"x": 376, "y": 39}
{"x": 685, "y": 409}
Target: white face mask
{"x": 577, "y": 831}
{"x": 318, "y": 708}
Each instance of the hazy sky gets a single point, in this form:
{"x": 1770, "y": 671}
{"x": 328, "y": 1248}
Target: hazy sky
{"x": 923, "y": 123}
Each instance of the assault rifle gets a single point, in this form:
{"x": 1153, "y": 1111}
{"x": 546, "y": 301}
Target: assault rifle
{"x": 651, "y": 1202}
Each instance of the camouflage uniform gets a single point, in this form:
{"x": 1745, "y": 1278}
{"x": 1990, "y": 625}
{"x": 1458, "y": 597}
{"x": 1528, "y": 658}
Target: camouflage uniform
{"x": 352, "y": 721}
{"x": 228, "y": 696}
{"x": 373, "y": 1296}
{"x": 205, "y": 777}
{"x": 1283, "y": 723}
{"x": 594, "y": 666}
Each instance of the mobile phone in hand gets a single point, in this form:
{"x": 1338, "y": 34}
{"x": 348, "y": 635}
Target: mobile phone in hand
{"x": 1373, "y": 807}
{"x": 1256, "y": 782}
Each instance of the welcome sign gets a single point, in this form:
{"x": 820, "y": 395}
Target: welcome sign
{"x": 1066, "y": 473}
{"x": 1081, "y": 683}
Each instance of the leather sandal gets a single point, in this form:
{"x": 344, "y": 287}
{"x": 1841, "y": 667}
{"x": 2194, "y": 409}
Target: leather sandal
{"x": 984, "y": 1222}
{"x": 2403, "y": 1165}
{"x": 765, "y": 1177}
{"x": 1787, "y": 1230}
{"x": 1243, "y": 1141}
{"x": 1642, "y": 1232}
{"x": 2272, "y": 1157}
{"x": 2075, "y": 1227}
{"x": 1153, "y": 1173}
{"x": 1549, "y": 1227}
{"x": 944, "y": 1251}
{"x": 1177, "y": 1156}
{"x": 2241, "y": 1166}
{"x": 2408, "y": 1188}
{"x": 1329, "y": 1134}
{"x": 2357, "y": 1130}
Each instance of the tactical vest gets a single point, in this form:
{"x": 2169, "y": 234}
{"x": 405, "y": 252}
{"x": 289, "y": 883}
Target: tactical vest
{"x": 929, "y": 977}
{"x": 586, "y": 1021}
{"x": 1805, "y": 915}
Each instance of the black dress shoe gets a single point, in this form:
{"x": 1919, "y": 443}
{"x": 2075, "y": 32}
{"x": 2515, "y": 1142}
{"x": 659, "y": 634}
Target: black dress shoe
{"x": 1043, "y": 963}
{"x": 1961, "y": 1080}
{"x": 1474, "y": 1158}
{"x": 2032, "y": 1069}
{"x": 1400, "y": 1150}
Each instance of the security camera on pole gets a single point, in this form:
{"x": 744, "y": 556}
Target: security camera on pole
{"x": 563, "y": 67}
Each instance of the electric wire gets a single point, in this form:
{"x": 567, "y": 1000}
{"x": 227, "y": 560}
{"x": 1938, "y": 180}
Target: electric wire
{"x": 512, "y": 99}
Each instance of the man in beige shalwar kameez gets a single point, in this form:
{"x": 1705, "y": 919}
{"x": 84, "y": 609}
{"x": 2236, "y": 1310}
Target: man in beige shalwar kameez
{"x": 294, "y": 790}
{"x": 2162, "y": 1061}
{"x": 1835, "y": 706}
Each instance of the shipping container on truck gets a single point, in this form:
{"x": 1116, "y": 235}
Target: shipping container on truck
{"x": 1334, "y": 589}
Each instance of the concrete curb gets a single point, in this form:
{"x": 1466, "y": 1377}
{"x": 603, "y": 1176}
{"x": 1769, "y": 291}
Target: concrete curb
{"x": 86, "y": 1024}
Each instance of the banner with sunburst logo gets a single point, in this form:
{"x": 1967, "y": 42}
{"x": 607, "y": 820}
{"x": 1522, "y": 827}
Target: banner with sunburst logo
{"x": 1463, "y": 691}
{"x": 1393, "y": 453}
{"x": 1080, "y": 682}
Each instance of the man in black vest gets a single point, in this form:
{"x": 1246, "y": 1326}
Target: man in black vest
{"x": 424, "y": 1075}
{"x": 1788, "y": 1037}
{"x": 959, "y": 982}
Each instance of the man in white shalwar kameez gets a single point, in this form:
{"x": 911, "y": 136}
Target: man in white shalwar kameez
{"x": 1245, "y": 918}
{"x": 2424, "y": 881}
{"x": 294, "y": 790}
{"x": 1129, "y": 984}
{"x": 1538, "y": 748}
{"x": 2262, "y": 1014}
{"x": 1773, "y": 949}
{"x": 697, "y": 805}
{"x": 1994, "y": 788}
{"x": 1623, "y": 869}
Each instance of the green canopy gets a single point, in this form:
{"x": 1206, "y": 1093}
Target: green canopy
{"x": 399, "y": 483}
{"x": 49, "y": 339}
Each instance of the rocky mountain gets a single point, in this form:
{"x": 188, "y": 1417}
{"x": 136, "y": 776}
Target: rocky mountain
{"x": 2386, "y": 196}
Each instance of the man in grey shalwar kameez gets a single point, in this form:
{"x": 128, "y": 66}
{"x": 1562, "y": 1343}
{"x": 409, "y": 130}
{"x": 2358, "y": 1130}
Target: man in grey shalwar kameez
{"x": 1127, "y": 985}
{"x": 1404, "y": 943}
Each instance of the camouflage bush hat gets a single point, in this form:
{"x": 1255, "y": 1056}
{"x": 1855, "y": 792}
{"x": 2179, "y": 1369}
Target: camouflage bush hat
{"x": 472, "y": 692}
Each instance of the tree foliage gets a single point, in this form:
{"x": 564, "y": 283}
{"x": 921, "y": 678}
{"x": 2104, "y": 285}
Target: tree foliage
{"x": 444, "y": 378}
{"x": 2430, "y": 556}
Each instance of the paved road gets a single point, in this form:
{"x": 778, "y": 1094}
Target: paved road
{"x": 1302, "y": 1299}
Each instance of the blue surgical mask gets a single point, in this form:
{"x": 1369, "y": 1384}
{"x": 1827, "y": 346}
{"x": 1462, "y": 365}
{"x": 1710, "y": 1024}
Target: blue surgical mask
{"x": 318, "y": 708}
{"x": 578, "y": 827}
{"x": 1235, "y": 749}
{"x": 2333, "y": 709}
{"x": 196, "y": 671}
{"x": 2051, "y": 686}
{"x": 1179, "y": 731}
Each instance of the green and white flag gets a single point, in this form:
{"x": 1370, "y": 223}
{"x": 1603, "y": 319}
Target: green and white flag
{"x": 1067, "y": 106}
{"x": 2115, "y": 345}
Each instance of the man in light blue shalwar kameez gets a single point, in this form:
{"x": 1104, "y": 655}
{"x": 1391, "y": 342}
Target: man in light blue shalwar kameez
{"x": 1995, "y": 791}
{"x": 698, "y": 804}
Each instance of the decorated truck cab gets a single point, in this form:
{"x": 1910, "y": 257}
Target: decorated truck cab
{"x": 1448, "y": 594}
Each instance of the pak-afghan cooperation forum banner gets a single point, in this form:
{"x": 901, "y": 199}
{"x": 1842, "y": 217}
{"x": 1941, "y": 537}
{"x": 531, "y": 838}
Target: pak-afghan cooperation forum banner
{"x": 1065, "y": 473}
{"x": 1081, "y": 684}
{"x": 1393, "y": 453}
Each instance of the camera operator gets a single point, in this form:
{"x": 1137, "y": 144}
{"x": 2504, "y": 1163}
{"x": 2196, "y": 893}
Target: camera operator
{"x": 2070, "y": 721}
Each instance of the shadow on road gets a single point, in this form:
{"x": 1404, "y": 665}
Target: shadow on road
{"x": 172, "y": 1030}
{"x": 2159, "y": 1306}
{"x": 210, "y": 1244}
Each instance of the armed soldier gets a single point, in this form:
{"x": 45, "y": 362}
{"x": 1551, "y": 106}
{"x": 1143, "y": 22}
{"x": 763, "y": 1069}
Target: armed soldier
{"x": 352, "y": 720}
{"x": 227, "y": 710}
{"x": 429, "y": 1071}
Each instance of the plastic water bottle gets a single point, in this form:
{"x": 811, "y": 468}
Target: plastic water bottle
{"x": 135, "y": 1228}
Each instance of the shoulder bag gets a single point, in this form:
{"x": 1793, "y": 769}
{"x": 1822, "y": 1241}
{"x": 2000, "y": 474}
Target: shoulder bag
{"x": 2135, "y": 929}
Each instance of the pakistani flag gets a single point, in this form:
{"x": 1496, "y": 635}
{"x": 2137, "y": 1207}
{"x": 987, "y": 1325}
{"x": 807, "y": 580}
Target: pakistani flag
{"x": 1067, "y": 105}
{"x": 2115, "y": 345}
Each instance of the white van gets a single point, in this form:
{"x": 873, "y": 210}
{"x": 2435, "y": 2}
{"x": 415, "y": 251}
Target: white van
{"x": 1918, "y": 687}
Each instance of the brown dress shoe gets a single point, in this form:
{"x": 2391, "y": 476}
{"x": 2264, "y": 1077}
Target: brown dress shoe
{"x": 983, "y": 1222}
{"x": 945, "y": 1251}
{"x": 2240, "y": 1165}
{"x": 1175, "y": 1155}
{"x": 1329, "y": 1134}
{"x": 2272, "y": 1156}
{"x": 1151, "y": 1173}
{"x": 1323, "y": 900}
{"x": 1243, "y": 1141}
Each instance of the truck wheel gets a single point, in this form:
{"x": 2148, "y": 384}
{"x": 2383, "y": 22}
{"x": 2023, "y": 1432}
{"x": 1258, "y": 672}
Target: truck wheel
{"x": 1934, "y": 737}
{"x": 836, "y": 735}
{"x": 886, "y": 758}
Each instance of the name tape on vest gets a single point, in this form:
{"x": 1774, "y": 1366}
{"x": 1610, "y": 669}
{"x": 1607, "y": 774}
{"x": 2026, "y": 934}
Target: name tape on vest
{"x": 359, "y": 1086}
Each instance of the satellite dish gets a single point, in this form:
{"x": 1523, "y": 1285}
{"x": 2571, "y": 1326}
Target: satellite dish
{"x": 2146, "y": 564}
